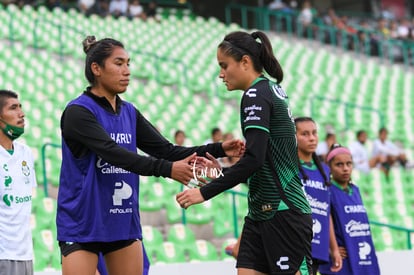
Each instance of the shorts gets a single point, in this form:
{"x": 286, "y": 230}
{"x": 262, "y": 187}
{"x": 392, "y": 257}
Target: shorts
{"x": 281, "y": 245}
{"x": 95, "y": 247}
{"x": 8, "y": 267}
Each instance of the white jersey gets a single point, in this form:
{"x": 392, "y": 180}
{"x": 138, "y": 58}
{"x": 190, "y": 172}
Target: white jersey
{"x": 17, "y": 179}
{"x": 360, "y": 156}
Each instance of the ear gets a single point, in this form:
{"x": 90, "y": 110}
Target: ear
{"x": 246, "y": 61}
{"x": 96, "y": 69}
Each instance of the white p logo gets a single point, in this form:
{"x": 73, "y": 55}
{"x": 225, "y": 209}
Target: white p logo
{"x": 122, "y": 191}
{"x": 364, "y": 250}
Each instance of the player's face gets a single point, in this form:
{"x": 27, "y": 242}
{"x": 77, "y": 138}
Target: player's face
{"x": 341, "y": 168}
{"x": 231, "y": 71}
{"x": 307, "y": 136}
{"x": 12, "y": 113}
{"x": 114, "y": 76}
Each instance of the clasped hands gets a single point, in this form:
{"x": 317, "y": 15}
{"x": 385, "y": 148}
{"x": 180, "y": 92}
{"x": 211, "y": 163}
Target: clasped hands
{"x": 200, "y": 169}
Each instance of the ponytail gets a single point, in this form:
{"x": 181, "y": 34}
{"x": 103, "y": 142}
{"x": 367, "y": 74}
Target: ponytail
{"x": 270, "y": 64}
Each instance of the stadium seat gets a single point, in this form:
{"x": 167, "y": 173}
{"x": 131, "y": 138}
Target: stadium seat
{"x": 170, "y": 253}
{"x": 44, "y": 246}
{"x": 200, "y": 213}
{"x": 182, "y": 236}
{"x": 46, "y": 213}
{"x": 174, "y": 211}
{"x": 203, "y": 250}
{"x": 153, "y": 240}
{"x": 152, "y": 198}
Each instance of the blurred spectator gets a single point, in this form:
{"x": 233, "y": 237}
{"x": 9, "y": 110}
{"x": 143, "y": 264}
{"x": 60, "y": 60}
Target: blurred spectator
{"x": 151, "y": 10}
{"x": 382, "y": 28}
{"x": 216, "y": 136}
{"x": 51, "y": 4}
{"x": 179, "y": 137}
{"x": 136, "y": 10}
{"x": 276, "y": 5}
{"x": 388, "y": 151}
{"x": 403, "y": 29}
{"x": 305, "y": 18}
{"x": 118, "y": 8}
{"x": 86, "y": 6}
{"x": 323, "y": 146}
{"x": 394, "y": 30}
{"x": 360, "y": 155}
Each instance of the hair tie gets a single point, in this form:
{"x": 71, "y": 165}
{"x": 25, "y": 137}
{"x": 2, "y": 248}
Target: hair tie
{"x": 336, "y": 151}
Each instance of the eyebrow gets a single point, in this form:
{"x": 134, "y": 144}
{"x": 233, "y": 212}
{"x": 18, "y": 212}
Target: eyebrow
{"x": 122, "y": 59}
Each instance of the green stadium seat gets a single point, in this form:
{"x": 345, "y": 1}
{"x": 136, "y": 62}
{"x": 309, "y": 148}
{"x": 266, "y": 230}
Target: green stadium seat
{"x": 182, "y": 236}
{"x": 153, "y": 240}
{"x": 170, "y": 253}
{"x": 200, "y": 213}
{"x": 152, "y": 198}
{"x": 46, "y": 213}
{"x": 174, "y": 211}
{"x": 44, "y": 246}
{"x": 202, "y": 251}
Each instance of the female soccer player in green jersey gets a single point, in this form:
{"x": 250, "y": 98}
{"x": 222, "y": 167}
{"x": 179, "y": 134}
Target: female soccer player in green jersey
{"x": 277, "y": 234}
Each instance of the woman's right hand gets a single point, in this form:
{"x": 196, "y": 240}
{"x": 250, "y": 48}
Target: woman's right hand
{"x": 182, "y": 170}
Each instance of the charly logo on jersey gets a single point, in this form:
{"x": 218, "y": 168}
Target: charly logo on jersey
{"x": 121, "y": 138}
{"x": 359, "y": 208}
{"x": 281, "y": 263}
{"x": 317, "y": 229}
{"x": 251, "y": 92}
{"x": 364, "y": 251}
{"x": 315, "y": 184}
{"x": 107, "y": 168}
{"x": 122, "y": 191}
{"x": 318, "y": 207}
{"x": 356, "y": 229}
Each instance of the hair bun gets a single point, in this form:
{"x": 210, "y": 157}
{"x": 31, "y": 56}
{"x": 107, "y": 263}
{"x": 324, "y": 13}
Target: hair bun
{"x": 88, "y": 42}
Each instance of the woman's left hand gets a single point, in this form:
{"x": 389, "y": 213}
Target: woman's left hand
{"x": 189, "y": 197}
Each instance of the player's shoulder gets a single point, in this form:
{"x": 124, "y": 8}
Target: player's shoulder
{"x": 260, "y": 89}
{"x": 22, "y": 148}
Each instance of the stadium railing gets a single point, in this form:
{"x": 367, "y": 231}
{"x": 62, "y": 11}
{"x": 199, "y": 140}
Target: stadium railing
{"x": 348, "y": 108}
{"x": 362, "y": 41}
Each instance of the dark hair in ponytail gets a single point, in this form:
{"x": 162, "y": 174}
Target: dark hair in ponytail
{"x": 237, "y": 44}
{"x": 315, "y": 158}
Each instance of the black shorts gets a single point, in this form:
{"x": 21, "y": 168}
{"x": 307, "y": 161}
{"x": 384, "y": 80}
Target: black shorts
{"x": 95, "y": 247}
{"x": 281, "y": 245}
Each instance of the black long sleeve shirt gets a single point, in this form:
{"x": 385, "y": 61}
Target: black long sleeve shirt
{"x": 83, "y": 133}
{"x": 252, "y": 160}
